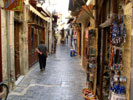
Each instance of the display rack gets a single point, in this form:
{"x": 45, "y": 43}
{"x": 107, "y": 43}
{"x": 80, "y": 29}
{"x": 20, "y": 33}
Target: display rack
{"x": 91, "y": 53}
{"x": 120, "y": 53}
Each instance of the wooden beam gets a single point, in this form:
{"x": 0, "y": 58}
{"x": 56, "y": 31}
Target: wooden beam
{"x": 114, "y": 2}
{"x": 103, "y": 63}
{"x": 103, "y": 32}
{"x": 36, "y": 25}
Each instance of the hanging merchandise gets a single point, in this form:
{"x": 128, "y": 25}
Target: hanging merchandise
{"x": 117, "y": 97}
{"x": 91, "y": 55}
{"x": 111, "y": 58}
{"x": 92, "y": 51}
{"x": 116, "y": 59}
{"x": 118, "y": 34}
{"x": 118, "y": 89}
{"x": 117, "y": 80}
{"x": 91, "y": 65}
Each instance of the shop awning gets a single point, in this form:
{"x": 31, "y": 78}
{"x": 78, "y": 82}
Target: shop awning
{"x": 83, "y": 16}
{"x": 38, "y": 13}
{"x": 75, "y": 5}
{"x": 70, "y": 20}
{"x": 31, "y": 8}
{"x": 106, "y": 23}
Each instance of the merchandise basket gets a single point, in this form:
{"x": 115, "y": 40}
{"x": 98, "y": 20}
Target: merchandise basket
{"x": 87, "y": 92}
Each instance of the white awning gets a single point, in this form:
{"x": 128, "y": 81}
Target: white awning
{"x": 36, "y": 12}
{"x": 107, "y": 23}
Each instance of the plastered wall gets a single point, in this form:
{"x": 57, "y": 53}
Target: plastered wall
{"x": 127, "y": 48}
{"x": 4, "y": 42}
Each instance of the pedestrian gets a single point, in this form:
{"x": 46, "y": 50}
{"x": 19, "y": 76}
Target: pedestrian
{"x": 67, "y": 38}
{"x": 43, "y": 54}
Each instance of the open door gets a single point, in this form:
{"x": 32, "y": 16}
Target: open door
{"x": 16, "y": 48}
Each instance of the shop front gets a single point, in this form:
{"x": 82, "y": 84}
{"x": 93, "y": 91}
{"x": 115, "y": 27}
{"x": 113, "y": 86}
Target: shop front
{"x": 107, "y": 51}
{"x": 36, "y": 34}
{"x": 18, "y": 30}
{"x": 37, "y": 24}
{"x": 114, "y": 54}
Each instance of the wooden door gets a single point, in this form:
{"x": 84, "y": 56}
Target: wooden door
{"x": 16, "y": 48}
{"x": 40, "y": 36}
{"x": 0, "y": 50}
{"x": 29, "y": 45}
{"x": 32, "y": 44}
{"x": 35, "y": 45}
{"x": 44, "y": 35}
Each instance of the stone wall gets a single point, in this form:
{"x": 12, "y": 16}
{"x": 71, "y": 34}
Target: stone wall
{"x": 10, "y": 43}
{"x": 24, "y": 36}
{"x": 131, "y": 82}
{"x": 7, "y": 28}
{"x": 4, "y": 42}
{"x": 127, "y": 48}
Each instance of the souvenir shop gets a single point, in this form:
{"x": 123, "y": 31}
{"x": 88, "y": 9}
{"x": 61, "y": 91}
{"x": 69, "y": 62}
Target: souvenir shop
{"x": 112, "y": 79}
{"x": 114, "y": 64}
{"x": 108, "y": 53}
{"x": 113, "y": 60}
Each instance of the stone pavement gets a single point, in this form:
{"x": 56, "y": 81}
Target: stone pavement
{"x": 63, "y": 79}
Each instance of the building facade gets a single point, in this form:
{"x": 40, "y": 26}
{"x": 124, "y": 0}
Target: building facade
{"x": 101, "y": 69}
{"x": 20, "y": 34}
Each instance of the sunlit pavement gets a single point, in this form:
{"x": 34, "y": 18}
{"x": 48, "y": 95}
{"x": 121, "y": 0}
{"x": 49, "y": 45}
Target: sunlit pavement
{"x": 63, "y": 79}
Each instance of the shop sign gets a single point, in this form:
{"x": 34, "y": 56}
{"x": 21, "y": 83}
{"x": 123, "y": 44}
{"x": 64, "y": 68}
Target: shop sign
{"x": 14, "y": 5}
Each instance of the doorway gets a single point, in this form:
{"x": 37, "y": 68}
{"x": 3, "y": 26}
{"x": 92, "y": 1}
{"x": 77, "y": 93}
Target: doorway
{"x": 16, "y": 49}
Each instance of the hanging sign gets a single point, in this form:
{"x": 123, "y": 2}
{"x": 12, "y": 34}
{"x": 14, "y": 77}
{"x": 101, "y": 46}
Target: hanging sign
{"x": 14, "y": 5}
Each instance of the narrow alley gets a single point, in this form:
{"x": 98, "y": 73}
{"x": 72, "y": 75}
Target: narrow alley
{"x": 66, "y": 49}
{"x": 63, "y": 79}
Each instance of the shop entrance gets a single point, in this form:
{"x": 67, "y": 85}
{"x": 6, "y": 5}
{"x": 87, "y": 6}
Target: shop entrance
{"x": 16, "y": 49}
{"x": 0, "y": 50}
{"x": 31, "y": 45}
{"x": 35, "y": 35}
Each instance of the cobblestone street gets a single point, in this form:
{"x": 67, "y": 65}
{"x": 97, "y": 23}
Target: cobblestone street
{"x": 63, "y": 79}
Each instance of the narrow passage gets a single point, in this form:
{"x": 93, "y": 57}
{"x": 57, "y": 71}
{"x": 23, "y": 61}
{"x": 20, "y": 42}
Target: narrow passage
{"x": 63, "y": 79}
